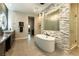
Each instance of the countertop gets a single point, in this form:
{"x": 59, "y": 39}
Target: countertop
{"x": 4, "y": 37}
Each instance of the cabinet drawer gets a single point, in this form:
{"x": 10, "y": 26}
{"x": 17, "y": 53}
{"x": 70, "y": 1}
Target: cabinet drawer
{"x": 2, "y": 45}
{"x": 2, "y": 49}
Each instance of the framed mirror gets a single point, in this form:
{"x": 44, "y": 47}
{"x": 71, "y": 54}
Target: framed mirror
{"x": 51, "y": 21}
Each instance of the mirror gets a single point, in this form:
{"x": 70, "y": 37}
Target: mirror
{"x": 51, "y": 21}
{"x": 3, "y": 16}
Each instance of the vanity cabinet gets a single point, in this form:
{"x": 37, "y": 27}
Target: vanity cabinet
{"x": 2, "y": 49}
{"x": 7, "y": 43}
{"x": 12, "y": 38}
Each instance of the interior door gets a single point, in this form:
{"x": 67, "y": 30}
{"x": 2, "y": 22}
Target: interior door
{"x": 78, "y": 24}
{"x": 73, "y": 25}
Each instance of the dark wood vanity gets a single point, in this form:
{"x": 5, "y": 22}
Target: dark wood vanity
{"x": 6, "y": 42}
{"x": 7, "y": 37}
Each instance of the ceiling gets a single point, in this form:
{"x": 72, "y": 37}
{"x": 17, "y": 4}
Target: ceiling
{"x": 29, "y": 8}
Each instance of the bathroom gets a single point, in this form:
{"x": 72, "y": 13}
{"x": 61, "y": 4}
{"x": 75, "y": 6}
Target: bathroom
{"x": 55, "y": 29}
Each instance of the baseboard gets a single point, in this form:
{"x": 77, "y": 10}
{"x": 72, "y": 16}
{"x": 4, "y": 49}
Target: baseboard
{"x": 72, "y": 47}
{"x": 21, "y": 38}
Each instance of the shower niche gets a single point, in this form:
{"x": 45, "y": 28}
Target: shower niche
{"x": 21, "y": 25}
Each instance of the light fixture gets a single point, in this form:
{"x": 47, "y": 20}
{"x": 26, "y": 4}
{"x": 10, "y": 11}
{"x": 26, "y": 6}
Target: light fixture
{"x": 42, "y": 3}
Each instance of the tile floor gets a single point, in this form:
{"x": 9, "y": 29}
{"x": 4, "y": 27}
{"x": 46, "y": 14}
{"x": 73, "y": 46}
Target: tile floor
{"x": 27, "y": 47}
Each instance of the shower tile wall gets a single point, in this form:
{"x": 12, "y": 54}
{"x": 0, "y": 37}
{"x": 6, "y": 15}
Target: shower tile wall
{"x": 62, "y": 36}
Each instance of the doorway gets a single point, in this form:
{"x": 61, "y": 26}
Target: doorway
{"x": 31, "y": 25}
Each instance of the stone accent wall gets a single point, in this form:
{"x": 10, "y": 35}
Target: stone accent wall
{"x": 62, "y": 36}
{"x": 64, "y": 25}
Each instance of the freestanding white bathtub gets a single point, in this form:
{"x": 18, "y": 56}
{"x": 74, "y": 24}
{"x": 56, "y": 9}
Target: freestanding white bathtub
{"x": 44, "y": 42}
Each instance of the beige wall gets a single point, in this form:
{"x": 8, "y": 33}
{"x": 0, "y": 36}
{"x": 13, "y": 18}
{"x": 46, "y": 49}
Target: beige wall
{"x": 14, "y": 18}
{"x": 37, "y": 25}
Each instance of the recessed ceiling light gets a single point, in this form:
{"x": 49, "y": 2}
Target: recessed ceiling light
{"x": 42, "y": 3}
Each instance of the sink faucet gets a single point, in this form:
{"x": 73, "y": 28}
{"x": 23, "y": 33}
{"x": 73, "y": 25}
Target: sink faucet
{"x": 47, "y": 35}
